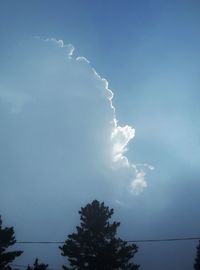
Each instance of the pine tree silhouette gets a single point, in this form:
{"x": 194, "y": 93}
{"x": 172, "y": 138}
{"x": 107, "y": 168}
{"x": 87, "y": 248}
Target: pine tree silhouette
{"x": 197, "y": 259}
{"x": 94, "y": 245}
{"x": 38, "y": 266}
{"x": 7, "y": 239}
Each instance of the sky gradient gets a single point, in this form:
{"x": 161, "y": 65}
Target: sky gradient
{"x": 66, "y": 140}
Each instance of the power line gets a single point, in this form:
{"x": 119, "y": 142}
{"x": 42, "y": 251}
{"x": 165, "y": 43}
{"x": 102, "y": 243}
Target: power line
{"x": 165, "y": 240}
{"x": 129, "y": 241}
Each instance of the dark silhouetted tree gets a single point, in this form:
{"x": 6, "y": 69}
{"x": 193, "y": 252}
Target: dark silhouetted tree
{"x": 197, "y": 259}
{"x": 7, "y": 239}
{"x": 38, "y": 266}
{"x": 94, "y": 245}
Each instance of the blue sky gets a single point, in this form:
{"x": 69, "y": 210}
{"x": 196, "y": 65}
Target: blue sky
{"x": 56, "y": 111}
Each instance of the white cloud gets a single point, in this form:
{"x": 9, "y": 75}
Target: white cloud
{"x": 83, "y": 59}
{"x": 71, "y": 91}
{"x": 120, "y": 138}
{"x": 61, "y": 144}
{"x": 138, "y": 183}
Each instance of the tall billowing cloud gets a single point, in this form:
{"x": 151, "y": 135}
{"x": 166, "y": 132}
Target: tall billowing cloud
{"x": 47, "y": 81}
{"x": 60, "y": 141}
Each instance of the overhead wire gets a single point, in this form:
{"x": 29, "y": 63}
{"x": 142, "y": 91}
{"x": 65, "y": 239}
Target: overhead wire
{"x": 129, "y": 241}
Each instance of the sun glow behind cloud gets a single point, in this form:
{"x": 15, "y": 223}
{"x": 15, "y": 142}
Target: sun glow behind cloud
{"x": 53, "y": 83}
{"x": 61, "y": 144}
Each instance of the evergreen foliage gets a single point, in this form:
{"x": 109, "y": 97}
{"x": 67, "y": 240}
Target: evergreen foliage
{"x": 7, "y": 239}
{"x": 197, "y": 259}
{"x": 94, "y": 245}
{"x": 38, "y": 266}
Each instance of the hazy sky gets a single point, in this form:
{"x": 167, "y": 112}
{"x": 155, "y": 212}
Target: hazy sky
{"x": 69, "y": 136}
